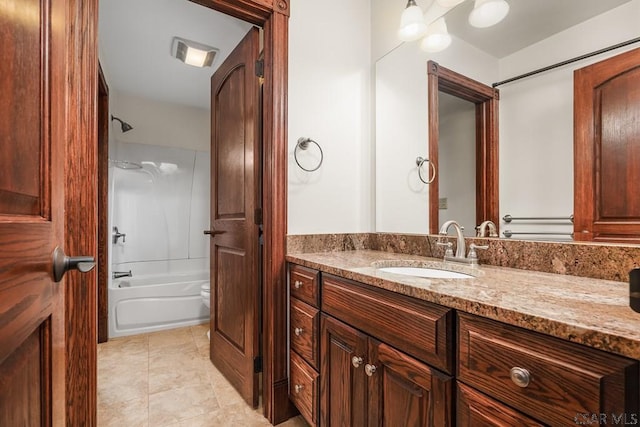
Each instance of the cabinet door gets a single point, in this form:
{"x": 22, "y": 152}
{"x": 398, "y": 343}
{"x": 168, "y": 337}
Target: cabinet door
{"x": 477, "y": 410}
{"x": 405, "y": 392}
{"x": 342, "y": 378}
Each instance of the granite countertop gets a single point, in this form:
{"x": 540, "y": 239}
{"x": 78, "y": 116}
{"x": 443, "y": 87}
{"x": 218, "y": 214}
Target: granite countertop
{"x": 588, "y": 311}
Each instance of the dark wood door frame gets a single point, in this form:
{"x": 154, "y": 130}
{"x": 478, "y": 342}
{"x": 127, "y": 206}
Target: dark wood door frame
{"x": 104, "y": 242}
{"x": 486, "y": 100}
{"x": 273, "y": 17}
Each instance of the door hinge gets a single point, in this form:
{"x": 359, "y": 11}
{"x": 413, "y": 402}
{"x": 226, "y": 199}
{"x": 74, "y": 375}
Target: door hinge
{"x": 257, "y": 216}
{"x": 257, "y": 364}
{"x": 260, "y": 68}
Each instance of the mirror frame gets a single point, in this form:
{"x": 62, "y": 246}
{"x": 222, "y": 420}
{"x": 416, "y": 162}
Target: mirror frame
{"x": 486, "y": 99}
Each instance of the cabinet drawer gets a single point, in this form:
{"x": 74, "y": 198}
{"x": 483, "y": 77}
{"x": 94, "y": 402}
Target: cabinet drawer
{"x": 477, "y": 410}
{"x": 549, "y": 379}
{"x": 303, "y": 331}
{"x": 303, "y": 284}
{"x": 418, "y": 328}
{"x": 303, "y": 388}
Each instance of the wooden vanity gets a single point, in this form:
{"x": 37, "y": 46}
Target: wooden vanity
{"x": 363, "y": 355}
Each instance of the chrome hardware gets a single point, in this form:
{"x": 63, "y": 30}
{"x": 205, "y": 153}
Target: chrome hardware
{"x": 509, "y": 218}
{"x": 481, "y": 230}
{"x": 116, "y": 235}
{"x": 369, "y": 369}
{"x": 460, "y": 248}
{"x": 449, "y": 251}
{"x": 356, "y": 361}
{"x": 520, "y": 376}
{"x": 298, "y": 388}
{"x": 421, "y": 161}
{"x": 297, "y": 284}
{"x": 214, "y": 232}
{"x": 298, "y": 331}
{"x": 120, "y": 274}
{"x": 63, "y": 263}
{"x": 473, "y": 255}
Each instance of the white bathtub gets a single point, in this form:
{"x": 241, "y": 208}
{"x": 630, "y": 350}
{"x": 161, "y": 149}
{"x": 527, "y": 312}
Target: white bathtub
{"x": 148, "y": 303}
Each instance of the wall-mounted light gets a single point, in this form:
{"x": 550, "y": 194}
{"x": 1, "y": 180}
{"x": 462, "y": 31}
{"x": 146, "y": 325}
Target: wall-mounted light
{"x": 437, "y": 37}
{"x": 486, "y": 13}
{"x": 412, "y": 25}
{"x": 193, "y": 53}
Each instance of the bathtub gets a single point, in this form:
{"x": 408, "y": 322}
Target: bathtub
{"x": 153, "y": 302}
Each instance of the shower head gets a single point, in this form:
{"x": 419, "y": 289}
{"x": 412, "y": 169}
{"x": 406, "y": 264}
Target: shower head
{"x": 123, "y": 164}
{"x": 126, "y": 127}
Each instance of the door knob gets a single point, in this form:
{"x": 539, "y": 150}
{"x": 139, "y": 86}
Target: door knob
{"x": 63, "y": 263}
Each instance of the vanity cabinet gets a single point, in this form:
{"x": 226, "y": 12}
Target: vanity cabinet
{"x": 365, "y": 356}
{"x": 547, "y": 379}
{"x": 367, "y": 383}
{"x": 304, "y": 325}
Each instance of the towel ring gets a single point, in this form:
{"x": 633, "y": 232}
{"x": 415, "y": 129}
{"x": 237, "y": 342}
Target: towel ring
{"x": 420, "y": 161}
{"x": 303, "y": 144}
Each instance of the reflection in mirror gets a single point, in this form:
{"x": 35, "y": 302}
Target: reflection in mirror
{"x": 536, "y": 113}
{"x": 457, "y": 161}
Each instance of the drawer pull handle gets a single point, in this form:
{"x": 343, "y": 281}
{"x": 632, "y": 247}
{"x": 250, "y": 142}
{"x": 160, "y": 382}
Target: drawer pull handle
{"x": 298, "y": 331}
{"x": 356, "y": 361}
{"x": 297, "y": 284}
{"x": 520, "y": 376}
{"x": 298, "y": 388}
{"x": 369, "y": 369}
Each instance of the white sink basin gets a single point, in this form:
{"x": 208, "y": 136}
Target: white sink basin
{"x": 430, "y": 273}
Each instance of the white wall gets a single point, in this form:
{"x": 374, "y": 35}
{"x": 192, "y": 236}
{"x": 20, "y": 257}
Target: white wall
{"x": 536, "y": 116}
{"x": 402, "y": 201}
{"x": 161, "y": 123}
{"x": 330, "y": 102}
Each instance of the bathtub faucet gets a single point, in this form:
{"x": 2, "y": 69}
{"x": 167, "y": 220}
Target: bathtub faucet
{"x": 119, "y": 274}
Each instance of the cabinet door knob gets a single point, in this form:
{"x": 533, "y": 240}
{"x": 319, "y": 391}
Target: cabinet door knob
{"x": 297, "y": 284}
{"x": 298, "y": 331}
{"x": 356, "y": 361}
{"x": 369, "y": 369}
{"x": 520, "y": 376}
{"x": 298, "y": 388}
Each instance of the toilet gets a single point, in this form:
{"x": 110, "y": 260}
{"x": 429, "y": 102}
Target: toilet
{"x": 205, "y": 293}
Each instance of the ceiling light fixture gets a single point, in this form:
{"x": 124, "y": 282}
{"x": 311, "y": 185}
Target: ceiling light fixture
{"x": 412, "y": 25}
{"x": 193, "y": 53}
{"x": 437, "y": 38}
{"x": 486, "y": 13}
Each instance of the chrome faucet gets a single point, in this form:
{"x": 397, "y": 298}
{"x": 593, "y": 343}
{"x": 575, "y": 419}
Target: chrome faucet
{"x": 120, "y": 274}
{"x": 460, "y": 247}
{"x": 472, "y": 259}
{"x": 117, "y": 235}
{"x": 481, "y": 230}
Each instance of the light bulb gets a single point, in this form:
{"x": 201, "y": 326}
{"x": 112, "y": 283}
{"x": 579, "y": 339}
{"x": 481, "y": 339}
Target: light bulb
{"x": 412, "y": 25}
{"x": 488, "y": 12}
{"x": 437, "y": 38}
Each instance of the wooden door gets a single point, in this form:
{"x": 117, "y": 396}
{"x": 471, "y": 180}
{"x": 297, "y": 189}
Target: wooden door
{"x": 235, "y": 204}
{"x": 607, "y": 150}
{"x": 342, "y": 379}
{"x": 32, "y": 141}
{"x": 404, "y": 391}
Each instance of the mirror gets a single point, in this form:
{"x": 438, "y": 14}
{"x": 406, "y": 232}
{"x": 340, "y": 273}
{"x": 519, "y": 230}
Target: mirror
{"x": 535, "y": 113}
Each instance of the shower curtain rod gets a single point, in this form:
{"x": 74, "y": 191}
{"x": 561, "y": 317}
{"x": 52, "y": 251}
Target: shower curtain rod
{"x": 568, "y": 61}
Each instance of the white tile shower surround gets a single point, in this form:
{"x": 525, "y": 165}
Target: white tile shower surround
{"x": 165, "y": 379}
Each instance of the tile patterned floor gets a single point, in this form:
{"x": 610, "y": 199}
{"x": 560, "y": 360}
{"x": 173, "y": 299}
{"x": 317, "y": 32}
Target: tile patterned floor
{"x": 165, "y": 379}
